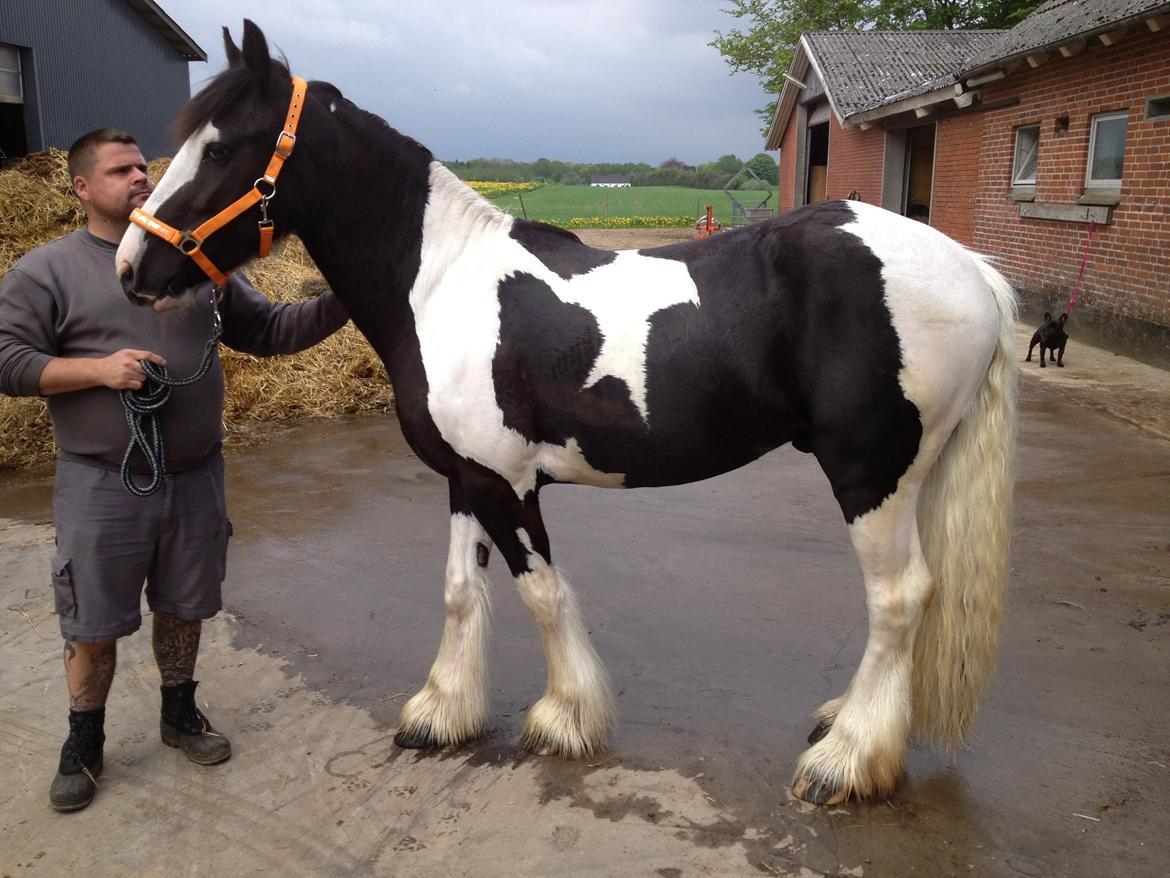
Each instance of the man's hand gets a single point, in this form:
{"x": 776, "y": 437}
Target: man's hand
{"x": 118, "y": 371}
{"x": 122, "y": 370}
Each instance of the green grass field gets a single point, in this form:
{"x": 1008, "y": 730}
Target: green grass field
{"x": 563, "y": 203}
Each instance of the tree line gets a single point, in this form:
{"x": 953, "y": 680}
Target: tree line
{"x": 671, "y": 172}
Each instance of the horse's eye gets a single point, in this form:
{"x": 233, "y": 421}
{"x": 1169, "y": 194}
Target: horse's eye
{"x": 216, "y": 151}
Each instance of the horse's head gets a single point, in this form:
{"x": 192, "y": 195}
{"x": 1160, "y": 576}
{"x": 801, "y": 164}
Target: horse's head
{"x": 228, "y": 131}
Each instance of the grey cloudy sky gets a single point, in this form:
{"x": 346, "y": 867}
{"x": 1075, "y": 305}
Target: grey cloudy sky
{"x": 575, "y": 80}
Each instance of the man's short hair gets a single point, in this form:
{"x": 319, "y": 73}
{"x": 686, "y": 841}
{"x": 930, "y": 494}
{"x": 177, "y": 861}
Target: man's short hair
{"x": 81, "y": 154}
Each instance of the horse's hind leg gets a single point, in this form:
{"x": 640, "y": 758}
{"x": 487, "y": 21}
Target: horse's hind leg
{"x": 452, "y": 706}
{"x": 576, "y": 713}
{"x": 859, "y": 744}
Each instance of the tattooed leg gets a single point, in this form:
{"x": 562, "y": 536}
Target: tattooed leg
{"x": 176, "y": 644}
{"x": 89, "y": 670}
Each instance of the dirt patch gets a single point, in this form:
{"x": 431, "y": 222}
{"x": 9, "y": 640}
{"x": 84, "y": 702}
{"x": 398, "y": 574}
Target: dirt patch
{"x": 632, "y": 239}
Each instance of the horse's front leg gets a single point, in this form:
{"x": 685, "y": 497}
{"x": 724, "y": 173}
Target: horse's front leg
{"x": 452, "y": 706}
{"x": 576, "y": 713}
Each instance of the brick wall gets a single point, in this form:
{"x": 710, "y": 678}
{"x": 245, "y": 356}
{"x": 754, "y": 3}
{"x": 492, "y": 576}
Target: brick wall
{"x": 1129, "y": 268}
{"x": 786, "y": 190}
{"x": 855, "y": 162}
{"x": 956, "y": 176}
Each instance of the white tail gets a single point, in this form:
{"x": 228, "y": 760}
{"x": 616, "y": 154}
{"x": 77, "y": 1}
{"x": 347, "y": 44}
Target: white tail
{"x": 964, "y": 520}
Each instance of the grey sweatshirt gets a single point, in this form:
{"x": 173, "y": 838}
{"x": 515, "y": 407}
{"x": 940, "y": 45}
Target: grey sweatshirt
{"x": 63, "y": 299}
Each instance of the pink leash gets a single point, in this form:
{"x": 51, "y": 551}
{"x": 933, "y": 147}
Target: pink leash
{"x": 1081, "y": 274}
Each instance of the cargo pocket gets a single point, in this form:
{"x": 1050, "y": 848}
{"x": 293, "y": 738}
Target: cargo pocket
{"x": 63, "y": 595}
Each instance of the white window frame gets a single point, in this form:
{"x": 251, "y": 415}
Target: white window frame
{"x": 1090, "y": 182}
{"x": 1016, "y": 179}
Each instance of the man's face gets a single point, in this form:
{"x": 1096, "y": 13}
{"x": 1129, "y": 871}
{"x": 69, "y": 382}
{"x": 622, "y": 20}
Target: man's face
{"x": 116, "y": 183}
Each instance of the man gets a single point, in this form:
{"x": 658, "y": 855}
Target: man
{"x": 68, "y": 333}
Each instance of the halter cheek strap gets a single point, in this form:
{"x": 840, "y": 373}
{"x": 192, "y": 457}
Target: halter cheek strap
{"x": 191, "y": 241}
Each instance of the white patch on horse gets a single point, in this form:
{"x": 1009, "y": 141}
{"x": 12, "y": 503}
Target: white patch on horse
{"x": 182, "y": 170}
{"x": 466, "y": 252}
{"x": 623, "y": 296}
{"x": 941, "y": 309}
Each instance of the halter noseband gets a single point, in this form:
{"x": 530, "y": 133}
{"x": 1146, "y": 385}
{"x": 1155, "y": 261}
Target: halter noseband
{"x": 191, "y": 242}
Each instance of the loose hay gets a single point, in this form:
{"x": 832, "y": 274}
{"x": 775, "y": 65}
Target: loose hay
{"x": 341, "y": 376}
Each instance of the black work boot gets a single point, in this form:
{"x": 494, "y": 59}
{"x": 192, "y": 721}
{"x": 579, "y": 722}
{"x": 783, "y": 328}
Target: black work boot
{"x": 183, "y": 725}
{"x": 81, "y": 761}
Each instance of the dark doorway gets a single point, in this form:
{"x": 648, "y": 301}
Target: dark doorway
{"x": 918, "y": 177}
{"x": 12, "y": 138}
{"x": 817, "y": 183}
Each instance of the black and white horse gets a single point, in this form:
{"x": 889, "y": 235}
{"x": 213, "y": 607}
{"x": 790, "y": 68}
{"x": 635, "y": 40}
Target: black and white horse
{"x": 521, "y": 357}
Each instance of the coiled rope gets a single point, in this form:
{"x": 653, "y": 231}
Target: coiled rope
{"x": 143, "y": 407}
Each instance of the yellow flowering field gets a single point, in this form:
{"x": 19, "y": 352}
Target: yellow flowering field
{"x": 489, "y": 189}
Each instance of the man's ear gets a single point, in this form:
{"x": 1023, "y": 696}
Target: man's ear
{"x": 80, "y": 187}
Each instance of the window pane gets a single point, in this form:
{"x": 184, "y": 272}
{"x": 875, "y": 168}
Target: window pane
{"x": 1027, "y": 143}
{"x": 10, "y": 86}
{"x": 1108, "y": 148}
{"x": 9, "y": 58}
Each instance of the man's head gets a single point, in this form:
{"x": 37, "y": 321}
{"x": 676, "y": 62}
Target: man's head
{"x": 109, "y": 176}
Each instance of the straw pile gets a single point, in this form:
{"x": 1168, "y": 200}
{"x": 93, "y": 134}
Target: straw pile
{"x": 341, "y": 376}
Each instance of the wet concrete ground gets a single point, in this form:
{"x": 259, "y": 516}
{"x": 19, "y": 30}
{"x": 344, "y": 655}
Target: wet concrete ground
{"x": 725, "y": 611}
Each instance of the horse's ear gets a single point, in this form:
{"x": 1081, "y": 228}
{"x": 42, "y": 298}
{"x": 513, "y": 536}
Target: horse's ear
{"x": 256, "y": 54}
{"x": 230, "y": 49}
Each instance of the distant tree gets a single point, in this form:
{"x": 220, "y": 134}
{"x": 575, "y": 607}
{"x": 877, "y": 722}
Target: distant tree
{"x": 728, "y": 164}
{"x": 774, "y": 27}
{"x": 764, "y": 167}
{"x": 675, "y": 163}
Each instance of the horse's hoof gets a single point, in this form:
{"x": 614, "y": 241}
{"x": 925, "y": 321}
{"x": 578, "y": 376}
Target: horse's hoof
{"x": 820, "y": 730}
{"x": 415, "y": 739}
{"x": 816, "y": 791}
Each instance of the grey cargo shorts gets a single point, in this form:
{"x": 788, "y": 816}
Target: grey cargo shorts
{"x": 109, "y": 542}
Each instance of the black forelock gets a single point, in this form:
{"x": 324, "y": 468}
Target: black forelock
{"x": 225, "y": 90}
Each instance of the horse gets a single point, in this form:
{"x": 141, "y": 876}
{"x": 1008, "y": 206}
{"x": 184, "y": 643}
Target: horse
{"x": 521, "y": 357}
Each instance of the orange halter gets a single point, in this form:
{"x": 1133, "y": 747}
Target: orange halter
{"x": 191, "y": 242}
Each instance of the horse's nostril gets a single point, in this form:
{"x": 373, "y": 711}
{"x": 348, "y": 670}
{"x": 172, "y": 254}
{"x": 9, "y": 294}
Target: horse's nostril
{"x": 126, "y": 273}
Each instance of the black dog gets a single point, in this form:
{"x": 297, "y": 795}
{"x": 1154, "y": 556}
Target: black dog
{"x": 1051, "y": 337}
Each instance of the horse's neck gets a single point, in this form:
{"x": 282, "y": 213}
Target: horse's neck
{"x": 456, "y": 221}
{"x": 378, "y": 259}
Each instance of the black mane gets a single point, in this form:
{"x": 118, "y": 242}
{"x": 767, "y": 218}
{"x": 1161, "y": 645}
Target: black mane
{"x": 226, "y": 90}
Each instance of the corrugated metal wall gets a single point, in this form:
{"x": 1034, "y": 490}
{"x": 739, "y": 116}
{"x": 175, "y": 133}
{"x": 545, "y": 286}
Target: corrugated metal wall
{"x": 96, "y": 64}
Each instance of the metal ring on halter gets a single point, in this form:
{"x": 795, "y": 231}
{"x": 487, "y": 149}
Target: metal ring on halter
{"x": 188, "y": 239}
{"x": 271, "y": 183}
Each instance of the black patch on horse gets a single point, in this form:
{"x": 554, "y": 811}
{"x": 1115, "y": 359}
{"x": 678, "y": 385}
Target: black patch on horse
{"x": 811, "y": 308}
{"x": 546, "y": 351}
{"x": 559, "y": 249}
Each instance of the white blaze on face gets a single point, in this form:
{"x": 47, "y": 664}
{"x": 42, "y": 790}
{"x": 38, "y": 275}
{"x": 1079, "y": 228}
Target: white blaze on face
{"x": 182, "y": 170}
{"x": 466, "y": 252}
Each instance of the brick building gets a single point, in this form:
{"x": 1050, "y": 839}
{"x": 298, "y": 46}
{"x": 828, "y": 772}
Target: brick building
{"x": 1016, "y": 143}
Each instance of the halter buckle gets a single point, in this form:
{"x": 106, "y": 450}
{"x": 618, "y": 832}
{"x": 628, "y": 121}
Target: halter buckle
{"x": 281, "y": 139}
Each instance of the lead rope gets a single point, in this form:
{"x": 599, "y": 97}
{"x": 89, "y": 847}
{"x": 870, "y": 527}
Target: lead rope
{"x": 143, "y": 407}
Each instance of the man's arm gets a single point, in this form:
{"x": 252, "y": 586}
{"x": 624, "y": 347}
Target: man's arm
{"x": 254, "y": 324}
{"x": 28, "y": 343}
{"x": 118, "y": 371}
